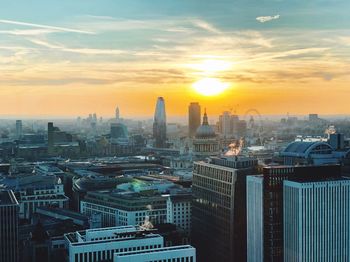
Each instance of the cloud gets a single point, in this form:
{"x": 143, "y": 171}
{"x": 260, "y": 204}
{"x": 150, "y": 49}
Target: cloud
{"x": 29, "y": 32}
{"x": 206, "y": 26}
{"x": 55, "y": 28}
{"x": 86, "y": 51}
{"x": 263, "y": 19}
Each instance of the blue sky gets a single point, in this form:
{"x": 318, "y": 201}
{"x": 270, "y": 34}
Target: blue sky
{"x": 92, "y": 55}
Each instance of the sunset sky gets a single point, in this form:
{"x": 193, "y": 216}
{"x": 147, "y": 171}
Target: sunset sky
{"x": 74, "y": 57}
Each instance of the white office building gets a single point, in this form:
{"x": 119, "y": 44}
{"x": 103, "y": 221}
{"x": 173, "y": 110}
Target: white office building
{"x": 120, "y": 208}
{"x": 166, "y": 254}
{"x": 101, "y": 244}
{"x": 179, "y": 209}
{"x": 317, "y": 220}
{"x": 255, "y": 219}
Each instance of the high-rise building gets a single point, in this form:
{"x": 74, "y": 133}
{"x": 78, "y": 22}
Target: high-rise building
{"x": 225, "y": 124}
{"x": 19, "y": 132}
{"x": 265, "y": 208}
{"x": 219, "y": 207}
{"x": 159, "y": 124}
{"x": 8, "y": 227}
{"x": 194, "y": 118}
{"x": 117, "y": 114}
{"x": 316, "y": 220}
{"x": 50, "y": 137}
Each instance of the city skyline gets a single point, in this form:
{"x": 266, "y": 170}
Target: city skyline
{"x": 275, "y": 56}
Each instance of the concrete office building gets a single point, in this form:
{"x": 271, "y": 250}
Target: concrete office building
{"x": 317, "y": 220}
{"x": 19, "y": 129}
{"x": 167, "y": 254}
{"x": 265, "y": 207}
{"x": 34, "y": 191}
{"x": 179, "y": 210}
{"x": 194, "y": 118}
{"x": 120, "y": 208}
{"x": 8, "y": 227}
{"x": 101, "y": 244}
{"x": 219, "y": 207}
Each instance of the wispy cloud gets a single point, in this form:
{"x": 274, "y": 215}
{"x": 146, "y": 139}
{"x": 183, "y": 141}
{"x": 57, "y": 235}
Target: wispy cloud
{"x": 27, "y": 32}
{"x": 56, "y": 28}
{"x": 86, "y": 51}
{"x": 263, "y": 19}
{"x": 206, "y": 26}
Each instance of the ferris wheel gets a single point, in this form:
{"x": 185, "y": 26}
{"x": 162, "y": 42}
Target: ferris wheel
{"x": 254, "y": 123}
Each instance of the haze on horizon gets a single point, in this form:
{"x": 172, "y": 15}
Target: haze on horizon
{"x": 69, "y": 58}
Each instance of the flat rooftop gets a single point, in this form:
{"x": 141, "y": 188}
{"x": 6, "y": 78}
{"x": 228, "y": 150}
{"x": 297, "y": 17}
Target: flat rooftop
{"x": 7, "y": 198}
{"x": 155, "y": 250}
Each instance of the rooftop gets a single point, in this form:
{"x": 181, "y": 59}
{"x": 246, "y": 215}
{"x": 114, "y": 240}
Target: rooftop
{"x": 154, "y": 250}
{"x": 7, "y": 198}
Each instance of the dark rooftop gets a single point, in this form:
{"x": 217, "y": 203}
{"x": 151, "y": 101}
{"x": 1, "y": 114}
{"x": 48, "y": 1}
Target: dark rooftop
{"x": 7, "y": 198}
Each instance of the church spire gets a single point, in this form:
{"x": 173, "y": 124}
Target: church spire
{"x": 205, "y": 118}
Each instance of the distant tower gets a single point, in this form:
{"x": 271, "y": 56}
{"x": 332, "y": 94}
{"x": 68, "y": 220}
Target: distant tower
{"x": 194, "y": 118}
{"x": 50, "y": 138}
{"x": 94, "y": 116}
{"x": 159, "y": 124}
{"x": 117, "y": 114}
{"x": 18, "y": 129}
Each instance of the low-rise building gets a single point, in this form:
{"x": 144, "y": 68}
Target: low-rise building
{"x": 101, "y": 244}
{"x": 122, "y": 208}
{"x": 177, "y": 253}
{"x": 33, "y": 191}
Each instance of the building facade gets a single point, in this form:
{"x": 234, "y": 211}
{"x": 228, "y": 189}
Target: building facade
{"x": 159, "y": 124}
{"x": 101, "y": 244}
{"x": 219, "y": 207}
{"x": 317, "y": 220}
{"x": 265, "y": 207}
{"x": 194, "y": 118}
{"x": 8, "y": 227}
{"x": 179, "y": 211}
{"x": 120, "y": 209}
{"x": 166, "y": 254}
{"x": 19, "y": 129}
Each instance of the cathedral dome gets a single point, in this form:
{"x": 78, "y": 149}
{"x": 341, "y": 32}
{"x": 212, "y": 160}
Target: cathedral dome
{"x": 205, "y": 130}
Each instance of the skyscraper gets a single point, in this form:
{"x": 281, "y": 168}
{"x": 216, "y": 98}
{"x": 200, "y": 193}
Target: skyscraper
{"x": 219, "y": 207}
{"x": 8, "y": 227}
{"x": 159, "y": 124}
{"x": 117, "y": 114}
{"x": 265, "y": 208}
{"x": 316, "y": 220}
{"x": 18, "y": 129}
{"x": 50, "y": 137}
{"x": 225, "y": 124}
{"x": 194, "y": 118}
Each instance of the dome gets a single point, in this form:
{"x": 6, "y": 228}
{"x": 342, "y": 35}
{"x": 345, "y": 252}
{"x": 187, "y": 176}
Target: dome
{"x": 205, "y": 130}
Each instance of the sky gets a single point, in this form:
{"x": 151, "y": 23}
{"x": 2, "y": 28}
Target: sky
{"x": 72, "y": 58}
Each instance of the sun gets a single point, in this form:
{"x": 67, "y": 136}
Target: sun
{"x": 210, "y": 86}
